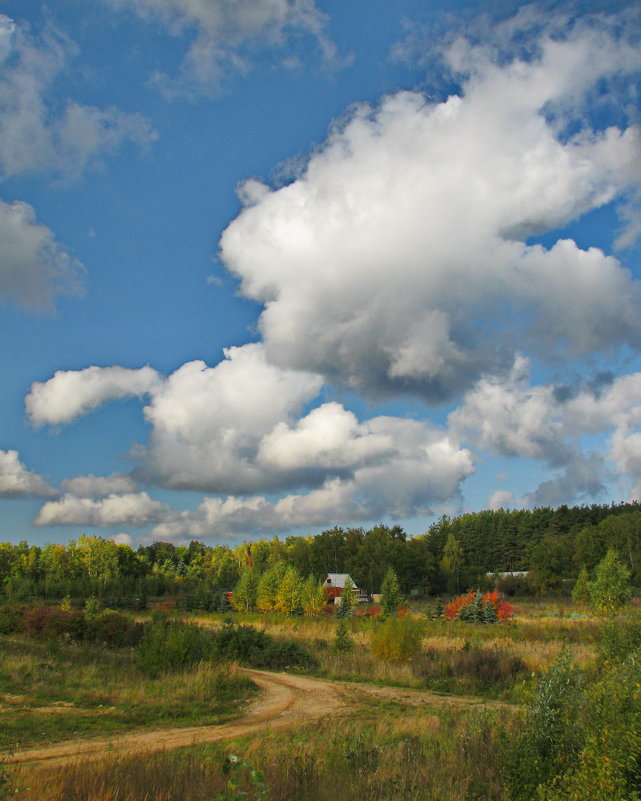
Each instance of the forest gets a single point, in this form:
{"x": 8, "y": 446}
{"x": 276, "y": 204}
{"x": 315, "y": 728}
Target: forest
{"x": 550, "y": 545}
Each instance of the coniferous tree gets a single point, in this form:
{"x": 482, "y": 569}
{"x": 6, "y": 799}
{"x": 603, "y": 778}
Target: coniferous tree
{"x": 581, "y": 589}
{"x": 348, "y": 600}
{"x": 390, "y": 594}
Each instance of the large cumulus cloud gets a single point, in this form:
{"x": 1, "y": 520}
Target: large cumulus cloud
{"x": 406, "y": 234}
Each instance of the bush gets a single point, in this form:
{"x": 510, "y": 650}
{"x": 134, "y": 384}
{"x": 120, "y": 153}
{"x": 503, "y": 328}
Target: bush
{"x": 618, "y": 640}
{"x": 397, "y": 640}
{"x": 168, "y": 645}
{"x": 484, "y": 668}
{"x": 249, "y": 646}
{"x": 114, "y": 630}
{"x": 51, "y": 622}
{"x": 549, "y": 740}
{"x": 479, "y": 608}
{"x": 11, "y": 618}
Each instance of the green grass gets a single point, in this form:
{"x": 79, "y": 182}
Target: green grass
{"x": 50, "y": 693}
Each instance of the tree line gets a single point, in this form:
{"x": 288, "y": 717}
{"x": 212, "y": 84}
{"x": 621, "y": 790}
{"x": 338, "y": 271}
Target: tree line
{"x": 453, "y": 555}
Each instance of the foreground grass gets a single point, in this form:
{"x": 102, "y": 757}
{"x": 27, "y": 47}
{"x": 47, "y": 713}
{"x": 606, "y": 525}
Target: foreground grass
{"x": 62, "y": 691}
{"x": 380, "y": 754}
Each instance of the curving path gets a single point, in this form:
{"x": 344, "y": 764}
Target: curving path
{"x": 286, "y": 701}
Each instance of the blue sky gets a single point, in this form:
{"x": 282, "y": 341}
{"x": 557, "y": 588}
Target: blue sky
{"x": 269, "y": 267}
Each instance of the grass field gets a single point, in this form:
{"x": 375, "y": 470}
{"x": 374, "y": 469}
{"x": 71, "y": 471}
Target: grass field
{"x": 549, "y": 665}
{"x": 50, "y": 693}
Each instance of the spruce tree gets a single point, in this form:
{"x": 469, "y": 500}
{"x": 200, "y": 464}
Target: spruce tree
{"x": 348, "y": 601}
{"x": 390, "y": 593}
{"x": 581, "y": 589}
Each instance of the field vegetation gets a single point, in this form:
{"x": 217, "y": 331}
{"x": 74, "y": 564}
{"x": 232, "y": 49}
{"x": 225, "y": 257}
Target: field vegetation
{"x": 466, "y": 696}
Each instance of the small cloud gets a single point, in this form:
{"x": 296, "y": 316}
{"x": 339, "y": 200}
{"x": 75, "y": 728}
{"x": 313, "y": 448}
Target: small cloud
{"x": 500, "y": 500}
{"x": 123, "y": 539}
{"x": 18, "y": 482}
{"x": 72, "y": 393}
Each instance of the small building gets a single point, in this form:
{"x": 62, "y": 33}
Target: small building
{"x": 334, "y": 585}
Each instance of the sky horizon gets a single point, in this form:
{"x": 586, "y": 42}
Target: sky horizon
{"x": 272, "y": 267}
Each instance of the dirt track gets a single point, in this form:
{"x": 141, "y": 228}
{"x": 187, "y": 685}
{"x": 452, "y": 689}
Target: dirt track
{"x": 286, "y": 701}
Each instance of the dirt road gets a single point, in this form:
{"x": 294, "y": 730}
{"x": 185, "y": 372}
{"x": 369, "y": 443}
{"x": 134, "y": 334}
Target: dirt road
{"x": 286, "y": 701}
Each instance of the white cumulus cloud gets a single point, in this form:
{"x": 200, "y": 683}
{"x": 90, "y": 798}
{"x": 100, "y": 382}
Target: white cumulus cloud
{"x": 428, "y": 470}
{"x": 91, "y": 486}
{"x": 130, "y": 509}
{"x": 407, "y": 232}
{"x": 71, "y": 393}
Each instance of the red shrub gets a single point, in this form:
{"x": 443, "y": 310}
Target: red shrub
{"x": 504, "y": 611}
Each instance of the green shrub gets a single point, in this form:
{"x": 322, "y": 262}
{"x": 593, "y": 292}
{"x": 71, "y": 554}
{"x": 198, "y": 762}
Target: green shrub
{"x": 114, "y": 630}
{"x": 11, "y": 618}
{"x": 618, "y": 640}
{"x": 397, "y": 640}
{"x": 483, "y": 668}
{"x": 549, "y": 740}
{"x": 249, "y": 646}
{"x": 168, "y": 645}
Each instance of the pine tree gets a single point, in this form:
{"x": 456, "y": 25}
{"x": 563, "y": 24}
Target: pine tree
{"x": 342, "y": 641}
{"x": 348, "y": 600}
{"x": 581, "y": 589}
{"x": 390, "y": 593}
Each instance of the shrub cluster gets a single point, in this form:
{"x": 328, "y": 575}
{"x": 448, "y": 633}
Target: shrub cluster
{"x": 482, "y": 668}
{"x": 476, "y": 607}
{"x": 172, "y": 645}
{"x": 51, "y": 622}
{"x": 397, "y": 640}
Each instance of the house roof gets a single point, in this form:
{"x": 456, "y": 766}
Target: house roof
{"x": 337, "y": 579}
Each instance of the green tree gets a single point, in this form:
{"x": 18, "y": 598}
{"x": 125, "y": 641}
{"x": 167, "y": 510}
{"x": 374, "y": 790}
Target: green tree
{"x": 288, "y": 596}
{"x": 342, "y": 640}
{"x": 391, "y": 593}
{"x": 348, "y": 600}
{"x": 268, "y": 587}
{"x": 610, "y": 588}
{"x": 581, "y": 589}
{"x": 245, "y": 592}
{"x": 453, "y": 559}
{"x": 312, "y": 598}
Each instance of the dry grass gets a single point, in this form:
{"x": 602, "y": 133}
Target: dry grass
{"x": 379, "y": 755}
{"x": 102, "y": 691}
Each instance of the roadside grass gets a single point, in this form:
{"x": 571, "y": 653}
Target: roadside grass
{"x": 57, "y": 691}
{"x": 379, "y": 754}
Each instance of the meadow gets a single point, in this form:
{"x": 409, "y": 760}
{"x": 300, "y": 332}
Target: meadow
{"x": 554, "y": 711}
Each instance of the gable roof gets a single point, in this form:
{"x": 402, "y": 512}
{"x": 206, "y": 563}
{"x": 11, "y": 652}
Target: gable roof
{"x": 337, "y": 579}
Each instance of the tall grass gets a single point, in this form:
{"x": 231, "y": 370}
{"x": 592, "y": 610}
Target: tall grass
{"x": 399, "y": 755}
{"x": 78, "y": 690}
